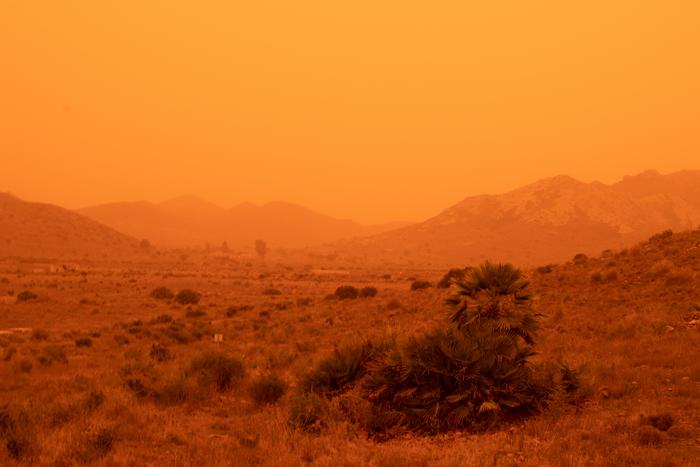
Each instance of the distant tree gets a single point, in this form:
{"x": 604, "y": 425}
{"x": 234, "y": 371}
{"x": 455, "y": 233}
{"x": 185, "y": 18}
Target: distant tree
{"x": 145, "y": 244}
{"x": 224, "y": 247}
{"x": 261, "y": 248}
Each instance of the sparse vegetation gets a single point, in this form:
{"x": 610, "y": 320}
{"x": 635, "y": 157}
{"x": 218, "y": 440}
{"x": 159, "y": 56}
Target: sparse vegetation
{"x": 150, "y": 384}
{"x": 368, "y": 292}
{"x": 83, "y": 342}
{"x": 469, "y": 374}
{"x": 215, "y": 368}
{"x": 346, "y": 292}
{"x": 162, "y": 293}
{"x": 160, "y": 353}
{"x": 187, "y": 297}
{"x": 26, "y": 296}
{"x": 267, "y": 389}
{"x": 453, "y": 275}
{"x": 420, "y": 285}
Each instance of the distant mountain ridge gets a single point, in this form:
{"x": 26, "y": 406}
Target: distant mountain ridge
{"x": 191, "y": 221}
{"x": 39, "y": 230}
{"x": 546, "y": 221}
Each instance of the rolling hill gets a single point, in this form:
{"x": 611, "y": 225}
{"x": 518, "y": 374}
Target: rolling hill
{"x": 190, "y": 221}
{"x": 38, "y": 230}
{"x": 547, "y": 221}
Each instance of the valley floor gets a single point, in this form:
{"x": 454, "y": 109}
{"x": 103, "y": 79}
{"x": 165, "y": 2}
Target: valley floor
{"x": 73, "y": 357}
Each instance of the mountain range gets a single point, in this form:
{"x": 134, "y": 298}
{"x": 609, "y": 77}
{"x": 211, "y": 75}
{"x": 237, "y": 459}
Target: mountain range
{"x": 547, "y": 221}
{"x": 190, "y": 221}
{"x": 39, "y": 230}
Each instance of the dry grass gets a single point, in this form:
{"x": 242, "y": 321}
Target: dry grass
{"x": 153, "y": 387}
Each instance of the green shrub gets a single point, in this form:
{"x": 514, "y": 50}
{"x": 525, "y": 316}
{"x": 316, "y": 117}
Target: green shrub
{"x": 215, "y": 368}
{"x": 346, "y": 292}
{"x": 187, "y": 297}
{"x": 162, "y": 293}
{"x": 268, "y": 389}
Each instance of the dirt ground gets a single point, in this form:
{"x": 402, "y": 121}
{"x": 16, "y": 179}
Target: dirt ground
{"x": 76, "y": 357}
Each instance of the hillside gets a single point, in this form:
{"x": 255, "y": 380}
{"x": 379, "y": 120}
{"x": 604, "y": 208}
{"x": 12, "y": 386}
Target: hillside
{"x": 547, "y": 221}
{"x": 189, "y": 221}
{"x": 40, "y": 230}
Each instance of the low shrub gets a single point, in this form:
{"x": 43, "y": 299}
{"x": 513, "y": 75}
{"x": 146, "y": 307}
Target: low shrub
{"x": 16, "y": 432}
{"x": 160, "y": 353}
{"x": 161, "y": 319}
{"x": 420, "y": 285}
{"x": 306, "y": 412}
{"x": 268, "y": 389}
{"x": 97, "y": 445}
{"x": 343, "y": 367}
{"x": 162, "y": 293}
{"x": 346, "y": 292}
{"x": 451, "y": 276}
{"x": 40, "y": 335}
{"x": 53, "y": 353}
{"x": 215, "y": 368}
{"x": 368, "y": 292}
{"x": 26, "y": 296}
{"x": 121, "y": 339}
{"x": 195, "y": 313}
{"x": 187, "y": 297}
{"x": 83, "y": 342}
{"x": 679, "y": 277}
{"x": 24, "y": 365}
{"x": 271, "y": 291}
{"x": 472, "y": 373}
{"x": 304, "y": 301}
{"x": 580, "y": 259}
{"x": 662, "y": 422}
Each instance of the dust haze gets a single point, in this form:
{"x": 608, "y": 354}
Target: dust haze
{"x": 367, "y": 233}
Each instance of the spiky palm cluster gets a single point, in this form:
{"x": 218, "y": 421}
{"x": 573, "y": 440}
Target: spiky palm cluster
{"x": 469, "y": 374}
{"x": 474, "y": 371}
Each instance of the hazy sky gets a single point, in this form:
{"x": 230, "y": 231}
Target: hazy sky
{"x": 370, "y": 109}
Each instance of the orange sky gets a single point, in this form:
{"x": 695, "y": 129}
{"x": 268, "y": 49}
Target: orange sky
{"x": 369, "y": 109}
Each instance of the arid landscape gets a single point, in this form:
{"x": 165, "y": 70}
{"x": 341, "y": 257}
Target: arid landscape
{"x": 369, "y": 233}
{"x": 106, "y": 360}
